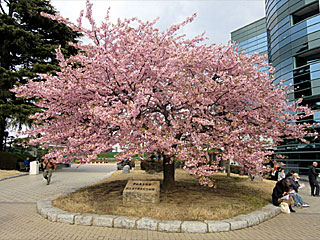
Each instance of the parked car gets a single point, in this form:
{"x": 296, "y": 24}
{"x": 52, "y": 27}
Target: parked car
{"x": 122, "y": 163}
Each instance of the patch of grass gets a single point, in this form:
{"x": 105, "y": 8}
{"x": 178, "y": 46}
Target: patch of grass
{"x": 188, "y": 201}
{"x": 8, "y": 173}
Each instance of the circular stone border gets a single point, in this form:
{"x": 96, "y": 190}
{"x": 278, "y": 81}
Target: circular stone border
{"x": 46, "y": 210}
{"x": 14, "y": 176}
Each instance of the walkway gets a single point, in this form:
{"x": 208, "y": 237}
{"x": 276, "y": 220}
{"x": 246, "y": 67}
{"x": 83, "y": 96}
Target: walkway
{"x": 19, "y": 219}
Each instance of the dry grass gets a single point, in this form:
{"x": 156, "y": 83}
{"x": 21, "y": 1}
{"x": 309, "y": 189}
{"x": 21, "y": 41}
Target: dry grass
{"x": 7, "y": 173}
{"x": 188, "y": 201}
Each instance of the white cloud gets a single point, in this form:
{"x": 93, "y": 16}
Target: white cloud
{"x": 216, "y": 18}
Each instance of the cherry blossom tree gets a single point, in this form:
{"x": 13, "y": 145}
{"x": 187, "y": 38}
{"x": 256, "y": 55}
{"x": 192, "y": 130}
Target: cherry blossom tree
{"x": 158, "y": 91}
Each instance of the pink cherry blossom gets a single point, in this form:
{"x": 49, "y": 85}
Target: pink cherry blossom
{"x": 152, "y": 90}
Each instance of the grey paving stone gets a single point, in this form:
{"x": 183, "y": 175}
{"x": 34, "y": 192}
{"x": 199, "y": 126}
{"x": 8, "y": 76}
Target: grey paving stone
{"x": 46, "y": 202}
{"x": 103, "y": 220}
{"x": 44, "y": 212}
{"x": 39, "y": 208}
{"x": 169, "y": 226}
{"x": 236, "y": 224}
{"x": 53, "y": 213}
{"x": 194, "y": 227}
{"x": 45, "y": 208}
{"x": 147, "y": 224}
{"x": 269, "y": 214}
{"x": 125, "y": 222}
{"x": 49, "y": 198}
{"x": 251, "y": 219}
{"x": 262, "y": 215}
{"x": 52, "y": 216}
{"x": 271, "y": 210}
{"x": 217, "y": 226}
{"x": 85, "y": 220}
{"x": 66, "y": 218}
{"x": 43, "y": 204}
{"x": 26, "y": 223}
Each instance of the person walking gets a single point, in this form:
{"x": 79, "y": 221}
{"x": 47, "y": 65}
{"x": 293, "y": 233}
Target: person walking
{"x": 313, "y": 174}
{"x": 48, "y": 166}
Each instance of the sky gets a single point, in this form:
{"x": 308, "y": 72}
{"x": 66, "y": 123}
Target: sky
{"x": 217, "y": 18}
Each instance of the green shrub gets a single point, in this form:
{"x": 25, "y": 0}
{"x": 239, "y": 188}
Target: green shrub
{"x": 107, "y": 155}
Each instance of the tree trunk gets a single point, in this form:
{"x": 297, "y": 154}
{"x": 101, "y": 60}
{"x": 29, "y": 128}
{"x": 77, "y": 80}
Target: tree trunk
{"x": 168, "y": 173}
{"x": 2, "y": 133}
{"x": 228, "y": 168}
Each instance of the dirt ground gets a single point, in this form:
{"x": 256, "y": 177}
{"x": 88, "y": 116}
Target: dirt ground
{"x": 188, "y": 201}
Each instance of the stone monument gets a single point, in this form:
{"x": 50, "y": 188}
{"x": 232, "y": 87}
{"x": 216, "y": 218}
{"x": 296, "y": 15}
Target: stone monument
{"x": 126, "y": 169}
{"x": 137, "y": 164}
{"x": 141, "y": 192}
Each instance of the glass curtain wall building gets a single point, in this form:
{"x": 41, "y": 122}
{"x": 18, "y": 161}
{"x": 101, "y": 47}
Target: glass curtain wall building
{"x": 252, "y": 37}
{"x": 292, "y": 29}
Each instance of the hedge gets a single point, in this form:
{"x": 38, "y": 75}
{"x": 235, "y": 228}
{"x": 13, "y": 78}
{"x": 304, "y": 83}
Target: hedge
{"x": 10, "y": 161}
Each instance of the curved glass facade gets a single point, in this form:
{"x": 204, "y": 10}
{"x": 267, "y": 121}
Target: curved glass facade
{"x": 252, "y": 38}
{"x": 290, "y": 35}
{"x": 293, "y": 32}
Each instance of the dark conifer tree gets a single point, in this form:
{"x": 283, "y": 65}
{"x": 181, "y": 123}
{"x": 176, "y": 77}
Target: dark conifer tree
{"x": 27, "y": 47}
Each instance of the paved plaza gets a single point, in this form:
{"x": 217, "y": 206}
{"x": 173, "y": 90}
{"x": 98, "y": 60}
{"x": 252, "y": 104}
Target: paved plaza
{"x": 19, "y": 219}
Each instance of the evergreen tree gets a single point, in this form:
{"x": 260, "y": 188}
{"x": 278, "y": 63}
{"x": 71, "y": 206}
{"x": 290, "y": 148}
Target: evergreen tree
{"x": 27, "y": 47}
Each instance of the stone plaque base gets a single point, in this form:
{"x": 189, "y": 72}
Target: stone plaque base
{"x": 137, "y": 165}
{"x": 141, "y": 192}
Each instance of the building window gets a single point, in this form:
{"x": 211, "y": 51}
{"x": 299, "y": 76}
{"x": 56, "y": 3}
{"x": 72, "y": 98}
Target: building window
{"x": 306, "y": 12}
{"x": 307, "y": 58}
{"x": 301, "y": 73}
